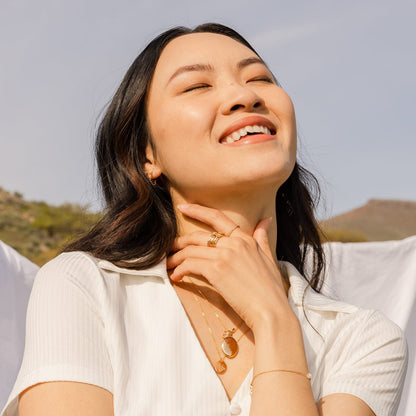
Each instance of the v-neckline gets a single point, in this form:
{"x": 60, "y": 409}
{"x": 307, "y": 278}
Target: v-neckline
{"x": 204, "y": 355}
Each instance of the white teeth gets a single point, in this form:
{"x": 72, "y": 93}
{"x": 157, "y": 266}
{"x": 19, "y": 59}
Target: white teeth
{"x": 229, "y": 139}
{"x": 244, "y": 131}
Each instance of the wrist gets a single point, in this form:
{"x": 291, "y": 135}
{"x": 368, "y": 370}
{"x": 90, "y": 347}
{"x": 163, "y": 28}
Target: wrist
{"x": 279, "y": 344}
{"x": 276, "y": 322}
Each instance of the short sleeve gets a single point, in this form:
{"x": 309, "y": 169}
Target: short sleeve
{"x": 65, "y": 334}
{"x": 372, "y": 366}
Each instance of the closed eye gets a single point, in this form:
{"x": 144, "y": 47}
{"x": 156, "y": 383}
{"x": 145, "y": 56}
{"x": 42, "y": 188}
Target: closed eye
{"x": 196, "y": 87}
{"x": 262, "y": 79}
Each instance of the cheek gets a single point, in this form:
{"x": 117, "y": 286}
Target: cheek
{"x": 287, "y": 114}
{"x": 181, "y": 126}
{"x": 179, "y": 134}
{"x": 289, "y": 111}
{"x": 193, "y": 121}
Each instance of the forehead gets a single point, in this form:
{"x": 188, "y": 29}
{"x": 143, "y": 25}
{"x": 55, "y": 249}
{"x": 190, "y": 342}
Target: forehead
{"x": 204, "y": 48}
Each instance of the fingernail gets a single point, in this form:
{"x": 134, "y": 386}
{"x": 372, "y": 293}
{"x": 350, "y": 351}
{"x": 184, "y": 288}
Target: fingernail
{"x": 182, "y": 207}
{"x": 268, "y": 222}
{"x": 174, "y": 278}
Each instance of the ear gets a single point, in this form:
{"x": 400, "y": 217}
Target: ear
{"x": 151, "y": 167}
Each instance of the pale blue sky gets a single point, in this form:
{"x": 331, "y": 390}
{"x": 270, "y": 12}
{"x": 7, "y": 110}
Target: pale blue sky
{"x": 349, "y": 67}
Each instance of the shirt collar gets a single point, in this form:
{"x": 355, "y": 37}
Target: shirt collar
{"x": 312, "y": 299}
{"x": 298, "y": 284}
{"x": 158, "y": 270}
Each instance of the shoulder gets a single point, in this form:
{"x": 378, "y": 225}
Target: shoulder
{"x": 68, "y": 279}
{"x": 98, "y": 280}
{"x": 374, "y": 324}
{"x": 368, "y": 336}
{"x": 365, "y": 355}
{"x": 77, "y": 267}
{"x": 339, "y": 324}
{"x": 70, "y": 264}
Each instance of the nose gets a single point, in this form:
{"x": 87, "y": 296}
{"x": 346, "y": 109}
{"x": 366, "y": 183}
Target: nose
{"x": 240, "y": 97}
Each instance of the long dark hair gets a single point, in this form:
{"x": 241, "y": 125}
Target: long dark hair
{"x": 139, "y": 224}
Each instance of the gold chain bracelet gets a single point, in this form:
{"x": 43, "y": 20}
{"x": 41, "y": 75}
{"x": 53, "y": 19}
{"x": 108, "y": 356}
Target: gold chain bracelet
{"x": 307, "y": 375}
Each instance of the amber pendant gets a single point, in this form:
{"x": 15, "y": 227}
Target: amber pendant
{"x": 229, "y": 345}
{"x": 220, "y": 367}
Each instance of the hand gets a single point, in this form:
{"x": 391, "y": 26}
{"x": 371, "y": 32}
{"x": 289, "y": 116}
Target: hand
{"x": 241, "y": 267}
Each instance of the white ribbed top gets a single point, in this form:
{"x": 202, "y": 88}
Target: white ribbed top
{"x": 126, "y": 331}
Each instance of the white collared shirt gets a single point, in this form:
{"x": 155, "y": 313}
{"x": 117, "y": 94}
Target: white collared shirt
{"x": 126, "y": 331}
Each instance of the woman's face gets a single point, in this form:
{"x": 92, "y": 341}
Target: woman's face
{"x": 218, "y": 121}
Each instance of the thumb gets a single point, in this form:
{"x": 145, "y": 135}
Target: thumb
{"x": 260, "y": 235}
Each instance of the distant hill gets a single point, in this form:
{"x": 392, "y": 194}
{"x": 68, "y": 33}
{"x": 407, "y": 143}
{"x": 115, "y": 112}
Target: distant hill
{"x": 378, "y": 220}
{"x": 39, "y": 230}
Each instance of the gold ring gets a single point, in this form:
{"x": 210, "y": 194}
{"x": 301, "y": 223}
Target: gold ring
{"x": 237, "y": 226}
{"x": 213, "y": 239}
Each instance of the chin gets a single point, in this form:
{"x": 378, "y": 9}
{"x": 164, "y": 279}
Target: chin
{"x": 276, "y": 173}
{"x": 247, "y": 178}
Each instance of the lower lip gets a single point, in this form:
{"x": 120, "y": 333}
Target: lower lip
{"x": 256, "y": 138}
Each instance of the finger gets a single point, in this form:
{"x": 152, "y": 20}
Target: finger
{"x": 193, "y": 267}
{"x": 210, "y": 216}
{"x": 260, "y": 235}
{"x": 197, "y": 238}
{"x": 190, "y": 251}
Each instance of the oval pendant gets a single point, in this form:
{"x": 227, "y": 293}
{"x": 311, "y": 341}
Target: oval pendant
{"x": 229, "y": 347}
{"x": 220, "y": 367}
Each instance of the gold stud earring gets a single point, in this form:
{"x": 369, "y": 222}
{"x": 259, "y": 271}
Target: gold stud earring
{"x": 151, "y": 179}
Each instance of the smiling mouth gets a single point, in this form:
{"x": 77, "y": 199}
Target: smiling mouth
{"x": 252, "y": 130}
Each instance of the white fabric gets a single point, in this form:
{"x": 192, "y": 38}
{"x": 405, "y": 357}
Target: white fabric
{"x": 127, "y": 332}
{"x": 379, "y": 275}
{"x": 16, "y": 279}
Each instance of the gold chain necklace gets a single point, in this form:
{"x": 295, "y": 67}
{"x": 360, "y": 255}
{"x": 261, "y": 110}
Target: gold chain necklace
{"x": 229, "y": 345}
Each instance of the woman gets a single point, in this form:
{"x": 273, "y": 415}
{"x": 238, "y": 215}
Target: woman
{"x": 188, "y": 293}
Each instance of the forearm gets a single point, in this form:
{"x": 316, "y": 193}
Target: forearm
{"x": 279, "y": 345}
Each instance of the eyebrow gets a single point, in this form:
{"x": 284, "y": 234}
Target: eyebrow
{"x": 191, "y": 68}
{"x": 250, "y": 61}
{"x": 208, "y": 68}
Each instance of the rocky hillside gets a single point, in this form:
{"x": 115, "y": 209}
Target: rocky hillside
{"x": 38, "y": 230}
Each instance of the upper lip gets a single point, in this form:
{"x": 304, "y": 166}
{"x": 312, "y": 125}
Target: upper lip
{"x": 248, "y": 121}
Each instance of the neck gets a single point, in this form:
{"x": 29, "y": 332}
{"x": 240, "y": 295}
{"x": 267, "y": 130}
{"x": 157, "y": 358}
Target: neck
{"x": 244, "y": 209}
